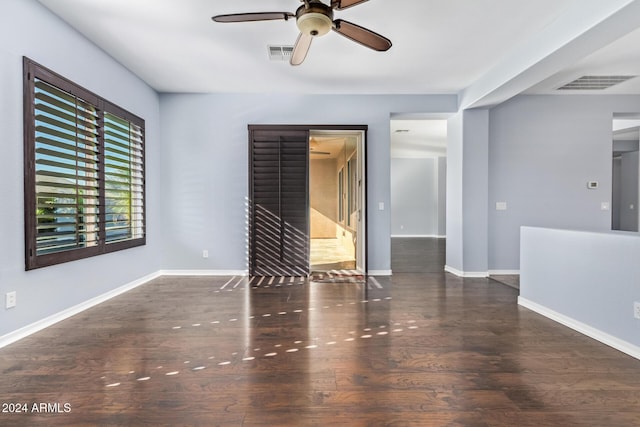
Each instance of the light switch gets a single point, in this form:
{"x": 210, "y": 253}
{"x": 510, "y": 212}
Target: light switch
{"x": 604, "y": 206}
{"x": 381, "y": 206}
{"x": 501, "y": 206}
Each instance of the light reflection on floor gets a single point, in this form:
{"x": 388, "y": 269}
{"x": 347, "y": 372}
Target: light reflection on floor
{"x": 245, "y": 284}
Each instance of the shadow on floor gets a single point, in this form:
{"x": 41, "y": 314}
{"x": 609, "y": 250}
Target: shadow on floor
{"x": 512, "y": 280}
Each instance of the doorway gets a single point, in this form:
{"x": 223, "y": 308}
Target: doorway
{"x": 418, "y": 193}
{"x": 337, "y": 209}
{"x": 279, "y": 209}
{"x": 625, "y": 193}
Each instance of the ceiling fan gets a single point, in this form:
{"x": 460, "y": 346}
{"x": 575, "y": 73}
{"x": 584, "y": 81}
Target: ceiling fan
{"x": 315, "y": 19}
{"x": 314, "y": 144}
{"x": 313, "y": 147}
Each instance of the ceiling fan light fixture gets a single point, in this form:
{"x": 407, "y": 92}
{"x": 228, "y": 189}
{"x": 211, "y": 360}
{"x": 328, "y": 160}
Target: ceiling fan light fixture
{"x": 314, "y": 24}
{"x": 314, "y": 18}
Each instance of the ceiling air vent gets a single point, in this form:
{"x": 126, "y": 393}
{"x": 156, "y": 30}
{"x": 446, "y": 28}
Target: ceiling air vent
{"x": 595, "y": 82}
{"x": 280, "y": 53}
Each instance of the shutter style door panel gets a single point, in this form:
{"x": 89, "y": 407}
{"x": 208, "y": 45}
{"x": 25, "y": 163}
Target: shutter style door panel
{"x": 279, "y": 218}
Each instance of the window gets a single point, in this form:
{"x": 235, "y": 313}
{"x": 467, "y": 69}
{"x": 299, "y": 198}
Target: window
{"x": 84, "y": 172}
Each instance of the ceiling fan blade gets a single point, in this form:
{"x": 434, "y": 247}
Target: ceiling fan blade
{"x": 250, "y": 17}
{"x": 343, "y": 4}
{"x": 361, "y": 35}
{"x": 300, "y": 49}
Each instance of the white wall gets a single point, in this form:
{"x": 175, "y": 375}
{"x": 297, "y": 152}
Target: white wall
{"x": 543, "y": 151}
{"x": 205, "y": 166}
{"x": 28, "y": 29}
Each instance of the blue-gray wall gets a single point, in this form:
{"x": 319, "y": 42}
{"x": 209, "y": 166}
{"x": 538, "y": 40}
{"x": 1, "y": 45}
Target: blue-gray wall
{"x": 588, "y": 277}
{"x": 467, "y": 190}
{"x": 542, "y": 152}
{"x": 454, "y": 258}
{"x": 28, "y": 29}
{"x": 415, "y": 197}
{"x": 204, "y": 179}
{"x": 628, "y": 203}
{"x": 442, "y": 196}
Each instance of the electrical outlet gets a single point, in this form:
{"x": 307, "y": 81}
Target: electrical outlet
{"x": 636, "y": 310}
{"x": 205, "y": 253}
{"x": 10, "y": 299}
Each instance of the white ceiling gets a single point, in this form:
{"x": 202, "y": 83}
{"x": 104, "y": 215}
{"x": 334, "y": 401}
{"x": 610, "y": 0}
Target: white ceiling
{"x": 486, "y": 51}
{"x": 418, "y": 138}
{"x": 325, "y": 145}
{"x": 622, "y": 57}
{"x": 439, "y": 46}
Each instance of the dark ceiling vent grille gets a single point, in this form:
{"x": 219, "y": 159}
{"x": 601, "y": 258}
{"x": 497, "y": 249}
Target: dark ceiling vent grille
{"x": 280, "y": 53}
{"x": 595, "y": 82}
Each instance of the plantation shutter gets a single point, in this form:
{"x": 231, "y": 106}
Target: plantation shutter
{"x": 123, "y": 179}
{"x": 279, "y": 203}
{"x": 66, "y": 170}
{"x": 84, "y": 172}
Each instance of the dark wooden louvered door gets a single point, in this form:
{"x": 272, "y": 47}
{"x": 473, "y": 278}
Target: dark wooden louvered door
{"x": 279, "y": 202}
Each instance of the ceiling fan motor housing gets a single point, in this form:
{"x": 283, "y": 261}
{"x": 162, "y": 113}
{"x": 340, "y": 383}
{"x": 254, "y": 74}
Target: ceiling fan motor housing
{"x": 314, "y": 19}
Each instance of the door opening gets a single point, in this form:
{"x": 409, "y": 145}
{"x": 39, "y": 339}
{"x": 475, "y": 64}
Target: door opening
{"x": 625, "y": 194}
{"x": 418, "y": 194}
{"x": 337, "y": 200}
{"x": 279, "y": 210}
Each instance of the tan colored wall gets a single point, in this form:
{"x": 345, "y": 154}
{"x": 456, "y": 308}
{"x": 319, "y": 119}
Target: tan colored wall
{"x": 323, "y": 185}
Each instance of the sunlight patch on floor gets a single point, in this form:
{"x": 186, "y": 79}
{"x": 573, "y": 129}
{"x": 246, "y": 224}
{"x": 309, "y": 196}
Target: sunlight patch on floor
{"x": 329, "y": 251}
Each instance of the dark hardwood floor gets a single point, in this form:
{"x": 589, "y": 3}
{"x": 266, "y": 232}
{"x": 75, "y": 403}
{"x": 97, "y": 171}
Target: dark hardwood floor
{"x": 415, "y": 349}
{"x": 417, "y": 255}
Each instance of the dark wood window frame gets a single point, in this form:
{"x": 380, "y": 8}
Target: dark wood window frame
{"x": 91, "y": 170}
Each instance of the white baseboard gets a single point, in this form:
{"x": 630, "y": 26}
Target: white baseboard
{"x": 39, "y": 325}
{"x": 379, "y": 272}
{"x": 466, "y": 274}
{"x": 621, "y": 345}
{"x": 429, "y": 236}
{"x": 504, "y": 272}
{"x": 203, "y": 273}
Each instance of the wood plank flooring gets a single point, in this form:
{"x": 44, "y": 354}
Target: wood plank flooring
{"x": 414, "y": 349}
{"x": 417, "y": 255}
